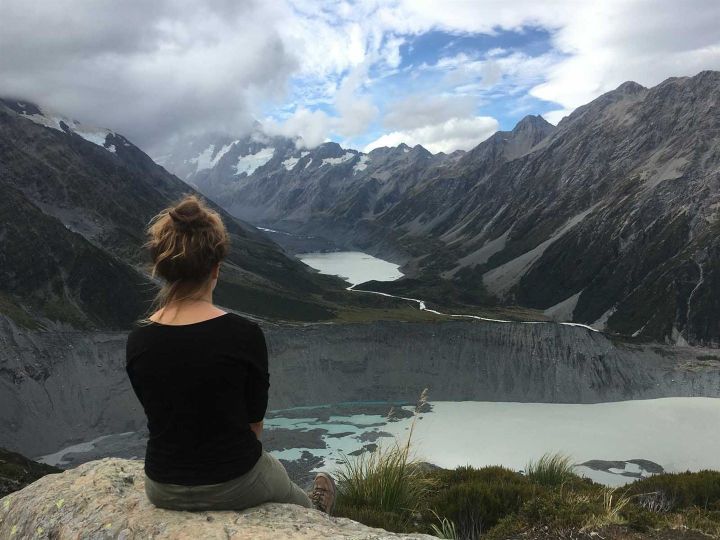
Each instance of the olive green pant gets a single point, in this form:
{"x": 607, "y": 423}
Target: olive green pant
{"x": 267, "y": 481}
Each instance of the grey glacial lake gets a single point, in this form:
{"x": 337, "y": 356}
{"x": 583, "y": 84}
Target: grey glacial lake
{"x": 353, "y": 266}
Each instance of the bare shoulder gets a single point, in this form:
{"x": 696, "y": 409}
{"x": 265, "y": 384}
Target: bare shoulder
{"x": 188, "y": 315}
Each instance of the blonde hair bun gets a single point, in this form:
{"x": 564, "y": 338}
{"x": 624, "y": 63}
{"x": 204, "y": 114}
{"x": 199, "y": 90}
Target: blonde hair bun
{"x": 185, "y": 242}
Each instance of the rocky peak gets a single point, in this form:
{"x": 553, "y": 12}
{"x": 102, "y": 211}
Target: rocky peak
{"x": 533, "y": 122}
{"x": 329, "y": 150}
{"x": 420, "y": 151}
{"x": 630, "y": 88}
{"x": 106, "y": 499}
{"x": 507, "y": 145}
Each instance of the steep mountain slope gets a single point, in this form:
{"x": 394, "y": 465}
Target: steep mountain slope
{"x": 73, "y": 213}
{"x": 610, "y": 219}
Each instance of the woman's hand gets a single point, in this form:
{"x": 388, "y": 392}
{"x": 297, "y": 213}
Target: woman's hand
{"x": 257, "y": 428}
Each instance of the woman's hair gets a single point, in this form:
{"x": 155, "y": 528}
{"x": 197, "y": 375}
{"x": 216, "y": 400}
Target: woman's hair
{"x": 185, "y": 242}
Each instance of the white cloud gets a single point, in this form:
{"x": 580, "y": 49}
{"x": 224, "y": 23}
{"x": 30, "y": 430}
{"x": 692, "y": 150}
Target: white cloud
{"x": 555, "y": 116}
{"x": 608, "y": 43}
{"x": 356, "y": 111}
{"x": 311, "y": 126}
{"x": 391, "y": 51}
{"x": 452, "y": 134}
{"x": 146, "y": 69}
{"x": 418, "y": 110}
{"x": 155, "y": 69}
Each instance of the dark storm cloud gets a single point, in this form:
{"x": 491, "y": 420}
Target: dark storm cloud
{"x": 148, "y": 69}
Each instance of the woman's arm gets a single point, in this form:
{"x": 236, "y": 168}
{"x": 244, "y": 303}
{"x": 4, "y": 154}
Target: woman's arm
{"x": 258, "y": 382}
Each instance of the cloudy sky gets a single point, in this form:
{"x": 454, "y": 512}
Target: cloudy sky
{"x": 445, "y": 74}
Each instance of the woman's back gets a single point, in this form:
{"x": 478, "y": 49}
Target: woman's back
{"x": 202, "y": 377}
{"x": 201, "y": 385}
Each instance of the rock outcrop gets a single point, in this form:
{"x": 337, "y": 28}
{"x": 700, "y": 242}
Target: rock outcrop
{"x": 106, "y": 499}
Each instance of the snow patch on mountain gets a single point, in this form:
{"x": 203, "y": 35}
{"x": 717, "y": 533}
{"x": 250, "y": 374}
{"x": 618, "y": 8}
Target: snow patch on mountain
{"x": 203, "y": 159}
{"x": 252, "y": 162}
{"x": 290, "y": 162}
{"x": 361, "y": 165}
{"x": 58, "y": 122}
{"x": 220, "y": 153}
{"x": 209, "y": 157}
{"x": 338, "y": 160}
{"x": 95, "y": 137}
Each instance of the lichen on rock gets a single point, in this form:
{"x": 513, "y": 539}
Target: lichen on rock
{"x": 106, "y": 499}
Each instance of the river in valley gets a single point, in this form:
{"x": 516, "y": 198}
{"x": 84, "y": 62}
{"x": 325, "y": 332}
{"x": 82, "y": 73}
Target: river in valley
{"x": 357, "y": 267}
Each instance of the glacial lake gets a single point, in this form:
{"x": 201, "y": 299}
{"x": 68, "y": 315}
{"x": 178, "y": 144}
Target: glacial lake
{"x": 611, "y": 443}
{"x": 353, "y": 266}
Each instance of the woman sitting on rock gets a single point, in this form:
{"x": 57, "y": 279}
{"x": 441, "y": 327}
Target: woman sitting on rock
{"x": 201, "y": 375}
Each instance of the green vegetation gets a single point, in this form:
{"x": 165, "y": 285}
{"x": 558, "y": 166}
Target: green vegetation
{"x": 680, "y": 491}
{"x": 475, "y": 500}
{"x": 551, "y": 470}
{"x": 384, "y": 488}
{"x": 391, "y": 490}
{"x": 17, "y": 471}
{"x": 14, "y": 311}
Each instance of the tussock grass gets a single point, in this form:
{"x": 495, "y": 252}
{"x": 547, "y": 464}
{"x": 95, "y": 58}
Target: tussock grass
{"x": 551, "y": 470}
{"x": 386, "y": 479}
{"x": 444, "y": 528}
{"x": 388, "y": 484}
{"x": 611, "y": 508}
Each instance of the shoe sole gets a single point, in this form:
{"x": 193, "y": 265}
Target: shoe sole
{"x": 332, "y": 483}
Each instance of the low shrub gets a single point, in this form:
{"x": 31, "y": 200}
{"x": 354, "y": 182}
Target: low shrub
{"x": 707, "y": 522}
{"x": 640, "y": 519}
{"x": 475, "y": 500}
{"x": 678, "y": 491}
{"x": 559, "y": 509}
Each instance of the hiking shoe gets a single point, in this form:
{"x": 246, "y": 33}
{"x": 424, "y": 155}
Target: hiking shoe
{"x": 323, "y": 493}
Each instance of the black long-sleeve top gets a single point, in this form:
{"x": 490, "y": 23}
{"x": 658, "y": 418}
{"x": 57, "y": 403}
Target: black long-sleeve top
{"x": 201, "y": 386}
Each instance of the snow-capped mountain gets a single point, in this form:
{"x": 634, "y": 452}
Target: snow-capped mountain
{"x": 610, "y": 219}
{"x": 269, "y": 180}
{"x": 104, "y": 138}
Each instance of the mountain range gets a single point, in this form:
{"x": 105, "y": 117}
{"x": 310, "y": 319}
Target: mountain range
{"x": 609, "y": 219}
{"x": 75, "y": 203}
